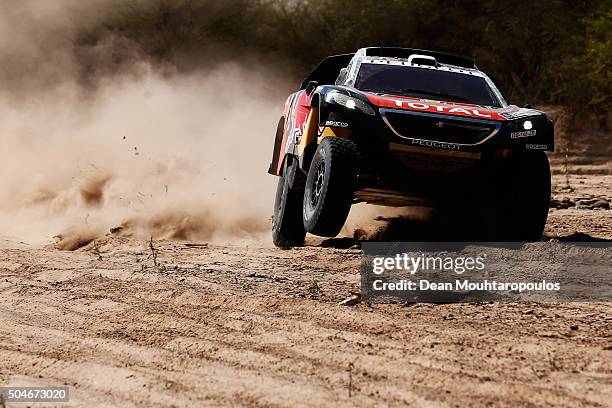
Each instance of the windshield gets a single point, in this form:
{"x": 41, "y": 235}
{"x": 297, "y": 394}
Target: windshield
{"x": 426, "y": 83}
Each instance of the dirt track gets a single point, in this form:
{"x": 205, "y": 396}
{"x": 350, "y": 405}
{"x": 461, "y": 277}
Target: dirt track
{"x": 201, "y": 325}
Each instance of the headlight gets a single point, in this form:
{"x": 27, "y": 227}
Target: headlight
{"x": 349, "y": 102}
{"x": 525, "y": 127}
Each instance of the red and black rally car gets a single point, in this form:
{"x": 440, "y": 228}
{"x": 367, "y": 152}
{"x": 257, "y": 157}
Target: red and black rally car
{"x": 405, "y": 127}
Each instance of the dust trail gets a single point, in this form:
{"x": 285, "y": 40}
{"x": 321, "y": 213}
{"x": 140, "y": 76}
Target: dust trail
{"x": 177, "y": 157}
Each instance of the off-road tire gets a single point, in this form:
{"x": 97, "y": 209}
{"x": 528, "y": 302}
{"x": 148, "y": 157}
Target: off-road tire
{"x": 287, "y": 227}
{"x": 523, "y": 198}
{"x": 330, "y": 186}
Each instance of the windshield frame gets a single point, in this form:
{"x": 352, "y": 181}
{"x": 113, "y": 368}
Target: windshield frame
{"x": 495, "y": 93}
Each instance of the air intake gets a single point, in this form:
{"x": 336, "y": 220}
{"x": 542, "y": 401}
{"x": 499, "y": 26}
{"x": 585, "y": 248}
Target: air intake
{"x": 418, "y": 59}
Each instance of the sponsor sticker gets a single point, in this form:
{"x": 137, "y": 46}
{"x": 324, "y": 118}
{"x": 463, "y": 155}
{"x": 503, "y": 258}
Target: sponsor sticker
{"x": 441, "y": 108}
{"x": 536, "y": 146}
{"x": 335, "y": 123}
{"x": 526, "y": 133}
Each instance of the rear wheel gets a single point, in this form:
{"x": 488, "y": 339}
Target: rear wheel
{"x": 330, "y": 186}
{"x": 521, "y": 205}
{"x": 287, "y": 227}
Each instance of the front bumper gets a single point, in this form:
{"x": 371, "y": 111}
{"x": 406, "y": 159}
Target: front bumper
{"x": 440, "y": 131}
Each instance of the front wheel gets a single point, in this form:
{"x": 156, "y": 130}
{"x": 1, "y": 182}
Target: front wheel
{"x": 330, "y": 186}
{"x": 523, "y": 202}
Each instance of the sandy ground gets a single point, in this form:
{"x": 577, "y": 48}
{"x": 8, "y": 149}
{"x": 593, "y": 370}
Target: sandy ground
{"x": 191, "y": 324}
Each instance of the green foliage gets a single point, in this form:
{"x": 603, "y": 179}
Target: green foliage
{"x": 594, "y": 65}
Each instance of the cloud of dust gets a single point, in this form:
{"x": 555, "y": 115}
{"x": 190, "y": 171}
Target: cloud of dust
{"x": 145, "y": 153}
{"x": 182, "y": 157}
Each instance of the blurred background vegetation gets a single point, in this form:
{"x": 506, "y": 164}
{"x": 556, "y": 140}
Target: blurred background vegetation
{"x": 541, "y": 52}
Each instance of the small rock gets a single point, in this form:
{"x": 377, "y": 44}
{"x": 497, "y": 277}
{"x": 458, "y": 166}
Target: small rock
{"x": 585, "y": 204}
{"x": 351, "y": 300}
{"x": 593, "y": 203}
{"x": 602, "y": 204}
{"x": 562, "y": 203}
{"x": 574, "y": 327}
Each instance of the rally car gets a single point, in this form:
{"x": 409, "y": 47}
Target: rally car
{"x": 407, "y": 127}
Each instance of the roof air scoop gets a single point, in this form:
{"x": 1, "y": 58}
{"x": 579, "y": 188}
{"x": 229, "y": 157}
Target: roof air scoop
{"x": 418, "y": 59}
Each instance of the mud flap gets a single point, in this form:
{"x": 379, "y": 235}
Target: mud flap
{"x": 296, "y": 178}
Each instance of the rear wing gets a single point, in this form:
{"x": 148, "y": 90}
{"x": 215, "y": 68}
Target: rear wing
{"x": 327, "y": 71}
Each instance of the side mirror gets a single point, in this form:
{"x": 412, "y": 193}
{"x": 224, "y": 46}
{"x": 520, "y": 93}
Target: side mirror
{"x": 311, "y": 87}
{"x": 527, "y": 106}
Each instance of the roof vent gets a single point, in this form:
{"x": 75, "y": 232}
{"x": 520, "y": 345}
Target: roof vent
{"x": 418, "y": 59}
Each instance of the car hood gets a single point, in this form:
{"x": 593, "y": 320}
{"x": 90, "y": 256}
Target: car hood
{"x": 390, "y": 101}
